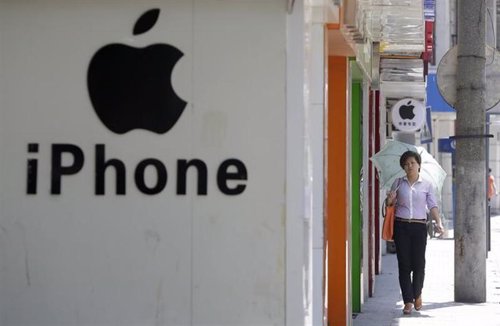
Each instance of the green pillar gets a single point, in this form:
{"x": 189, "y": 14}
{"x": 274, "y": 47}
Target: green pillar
{"x": 356, "y": 166}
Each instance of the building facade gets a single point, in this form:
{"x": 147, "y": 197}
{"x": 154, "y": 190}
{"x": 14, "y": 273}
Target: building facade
{"x": 198, "y": 162}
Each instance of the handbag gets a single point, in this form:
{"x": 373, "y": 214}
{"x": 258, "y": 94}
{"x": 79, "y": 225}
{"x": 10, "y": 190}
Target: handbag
{"x": 388, "y": 226}
{"x": 389, "y": 216}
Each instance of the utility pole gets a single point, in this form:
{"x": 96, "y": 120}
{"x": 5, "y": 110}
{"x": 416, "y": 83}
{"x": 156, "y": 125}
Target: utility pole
{"x": 470, "y": 218}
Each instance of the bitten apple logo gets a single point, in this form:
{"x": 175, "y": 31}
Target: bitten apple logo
{"x": 131, "y": 88}
{"x": 406, "y": 111}
{"x": 408, "y": 114}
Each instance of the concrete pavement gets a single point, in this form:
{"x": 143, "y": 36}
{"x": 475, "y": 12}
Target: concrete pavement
{"x": 439, "y": 308}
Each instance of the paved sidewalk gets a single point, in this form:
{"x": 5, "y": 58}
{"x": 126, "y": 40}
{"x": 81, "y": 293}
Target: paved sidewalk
{"x": 385, "y": 307}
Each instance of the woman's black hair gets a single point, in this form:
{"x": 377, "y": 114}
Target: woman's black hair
{"x": 406, "y": 155}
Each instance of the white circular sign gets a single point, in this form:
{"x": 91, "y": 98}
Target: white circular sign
{"x": 408, "y": 114}
{"x": 447, "y": 76}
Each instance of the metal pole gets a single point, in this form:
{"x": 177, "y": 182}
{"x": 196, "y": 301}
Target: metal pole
{"x": 491, "y": 27}
{"x": 470, "y": 224}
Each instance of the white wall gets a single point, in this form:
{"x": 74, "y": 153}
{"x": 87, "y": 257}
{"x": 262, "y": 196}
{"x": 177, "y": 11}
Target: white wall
{"x": 315, "y": 155}
{"x": 443, "y": 126}
{"x": 297, "y": 249}
{"x": 494, "y": 158}
{"x": 137, "y": 259}
{"x": 442, "y": 41}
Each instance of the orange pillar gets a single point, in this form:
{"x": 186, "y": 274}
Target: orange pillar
{"x": 336, "y": 196}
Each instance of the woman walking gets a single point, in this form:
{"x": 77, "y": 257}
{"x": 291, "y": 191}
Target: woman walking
{"x": 413, "y": 196}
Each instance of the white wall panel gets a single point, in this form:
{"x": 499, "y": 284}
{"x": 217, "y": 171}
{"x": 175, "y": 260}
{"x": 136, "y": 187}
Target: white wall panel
{"x": 77, "y": 258}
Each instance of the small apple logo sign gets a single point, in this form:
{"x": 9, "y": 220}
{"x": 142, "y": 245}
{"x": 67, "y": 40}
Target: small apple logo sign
{"x": 130, "y": 88}
{"x": 406, "y": 111}
{"x": 408, "y": 114}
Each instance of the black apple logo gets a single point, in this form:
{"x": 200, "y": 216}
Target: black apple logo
{"x": 406, "y": 111}
{"x": 131, "y": 88}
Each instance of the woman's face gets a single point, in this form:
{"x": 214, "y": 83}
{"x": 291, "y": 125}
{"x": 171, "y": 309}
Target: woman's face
{"x": 411, "y": 166}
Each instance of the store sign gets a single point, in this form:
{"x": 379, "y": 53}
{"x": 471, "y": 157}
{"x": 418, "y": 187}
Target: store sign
{"x": 408, "y": 115}
{"x": 131, "y": 88}
{"x": 230, "y": 170}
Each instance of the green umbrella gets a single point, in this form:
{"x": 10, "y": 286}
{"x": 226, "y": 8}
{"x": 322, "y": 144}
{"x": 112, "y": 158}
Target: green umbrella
{"x": 387, "y": 163}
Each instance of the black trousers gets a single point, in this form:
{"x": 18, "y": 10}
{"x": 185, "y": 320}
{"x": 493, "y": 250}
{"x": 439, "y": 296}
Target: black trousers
{"x": 410, "y": 240}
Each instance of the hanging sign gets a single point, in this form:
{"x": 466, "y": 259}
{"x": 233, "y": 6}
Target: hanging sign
{"x": 408, "y": 115}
